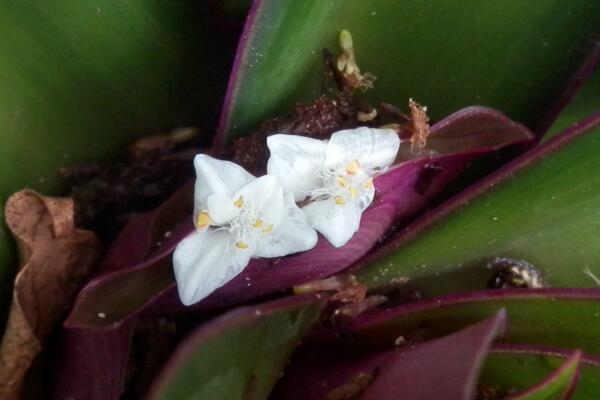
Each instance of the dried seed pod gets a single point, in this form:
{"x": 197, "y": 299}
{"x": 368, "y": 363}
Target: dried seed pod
{"x": 514, "y": 273}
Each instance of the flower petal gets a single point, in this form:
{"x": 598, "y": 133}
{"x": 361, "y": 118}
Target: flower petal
{"x": 336, "y": 222}
{"x": 221, "y": 208}
{"x": 216, "y": 176}
{"x": 365, "y": 197}
{"x": 296, "y": 161}
{"x": 204, "y": 261}
{"x": 293, "y": 234}
{"x": 264, "y": 194}
{"x": 372, "y": 148}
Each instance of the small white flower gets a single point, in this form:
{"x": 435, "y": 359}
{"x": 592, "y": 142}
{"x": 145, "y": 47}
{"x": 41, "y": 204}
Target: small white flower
{"x": 237, "y": 217}
{"x": 336, "y": 176}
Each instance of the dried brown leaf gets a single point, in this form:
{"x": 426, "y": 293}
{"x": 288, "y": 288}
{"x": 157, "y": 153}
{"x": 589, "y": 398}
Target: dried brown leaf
{"x": 420, "y": 124}
{"x": 55, "y": 258}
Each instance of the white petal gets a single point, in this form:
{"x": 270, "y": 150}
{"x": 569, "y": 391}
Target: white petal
{"x": 205, "y": 261}
{"x": 216, "y": 176}
{"x": 365, "y": 198}
{"x": 221, "y": 208}
{"x": 337, "y": 223}
{"x": 296, "y": 161}
{"x": 373, "y": 148}
{"x": 264, "y": 194}
{"x": 293, "y": 234}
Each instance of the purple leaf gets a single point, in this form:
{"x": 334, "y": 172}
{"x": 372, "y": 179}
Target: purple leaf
{"x": 265, "y": 276}
{"x": 131, "y": 268}
{"x": 318, "y": 369}
{"x": 448, "y": 365}
{"x": 472, "y": 129}
{"x": 401, "y": 192}
{"x": 93, "y": 364}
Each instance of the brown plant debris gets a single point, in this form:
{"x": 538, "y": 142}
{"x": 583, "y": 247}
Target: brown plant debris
{"x": 157, "y": 165}
{"x": 514, "y": 273}
{"x": 318, "y": 120}
{"x": 352, "y": 310}
{"x": 487, "y": 392}
{"x": 419, "y": 124}
{"x": 55, "y": 259}
{"x": 352, "y": 389}
{"x": 161, "y": 142}
{"x": 350, "y": 296}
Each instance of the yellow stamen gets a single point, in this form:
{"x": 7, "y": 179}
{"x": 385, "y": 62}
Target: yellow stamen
{"x": 342, "y": 181}
{"x": 204, "y": 220}
{"x": 368, "y": 184}
{"x": 353, "y": 167}
{"x": 346, "y": 40}
{"x": 258, "y": 223}
{"x": 241, "y": 245}
{"x": 353, "y": 192}
{"x": 268, "y": 229}
{"x": 339, "y": 200}
{"x": 239, "y": 203}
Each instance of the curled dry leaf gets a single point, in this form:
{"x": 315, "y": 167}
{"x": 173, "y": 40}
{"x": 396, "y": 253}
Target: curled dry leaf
{"x": 55, "y": 259}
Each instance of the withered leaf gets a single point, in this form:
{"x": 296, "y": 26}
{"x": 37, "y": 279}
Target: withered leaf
{"x": 55, "y": 258}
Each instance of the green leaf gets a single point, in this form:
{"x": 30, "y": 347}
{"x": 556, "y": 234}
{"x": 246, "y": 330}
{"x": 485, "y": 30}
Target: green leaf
{"x": 81, "y": 78}
{"x": 557, "y": 385}
{"x": 513, "y": 368}
{"x": 564, "y": 318}
{"x": 585, "y": 103}
{"x": 240, "y": 355}
{"x": 513, "y": 55}
{"x": 543, "y": 209}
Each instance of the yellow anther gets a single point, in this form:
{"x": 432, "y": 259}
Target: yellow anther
{"x": 241, "y": 245}
{"x": 346, "y": 40}
{"x": 353, "y": 167}
{"x": 258, "y": 223}
{"x": 353, "y": 192}
{"x": 268, "y": 229}
{"x": 204, "y": 220}
{"x": 342, "y": 181}
{"x": 239, "y": 203}
{"x": 339, "y": 200}
{"x": 368, "y": 184}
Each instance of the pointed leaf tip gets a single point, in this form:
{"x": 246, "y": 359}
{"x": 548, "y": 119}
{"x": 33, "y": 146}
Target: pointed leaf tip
{"x": 449, "y": 365}
{"x": 560, "y": 384}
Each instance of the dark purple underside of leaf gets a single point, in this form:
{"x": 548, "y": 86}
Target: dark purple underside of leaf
{"x": 448, "y": 365}
{"x": 401, "y": 192}
{"x": 92, "y": 364}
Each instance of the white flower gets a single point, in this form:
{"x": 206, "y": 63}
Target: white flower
{"x": 336, "y": 176}
{"x": 237, "y": 217}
